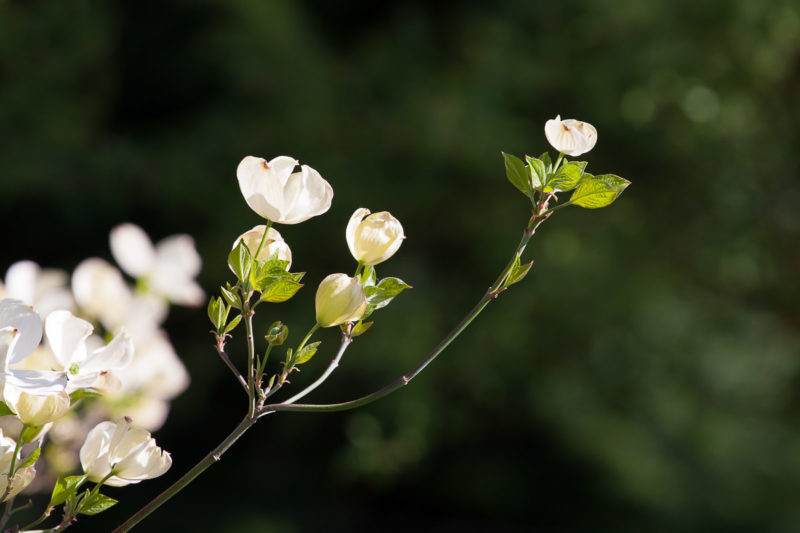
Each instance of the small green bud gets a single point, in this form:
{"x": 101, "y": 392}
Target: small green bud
{"x": 277, "y": 334}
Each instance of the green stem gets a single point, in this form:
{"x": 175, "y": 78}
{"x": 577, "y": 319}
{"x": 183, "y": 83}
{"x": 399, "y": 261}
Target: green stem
{"x": 335, "y": 363}
{"x": 213, "y": 456}
{"x": 403, "y": 380}
{"x": 263, "y": 240}
{"x": 251, "y": 392}
{"x": 314, "y": 328}
{"x": 233, "y": 369}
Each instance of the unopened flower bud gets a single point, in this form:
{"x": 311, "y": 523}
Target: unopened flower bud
{"x": 339, "y": 299}
{"x": 37, "y": 410}
{"x": 570, "y": 137}
{"x": 277, "y": 334}
{"x": 274, "y": 244}
{"x": 373, "y": 239}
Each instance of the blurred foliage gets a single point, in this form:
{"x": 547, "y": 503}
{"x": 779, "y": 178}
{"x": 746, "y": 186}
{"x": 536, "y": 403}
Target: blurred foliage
{"x": 643, "y": 377}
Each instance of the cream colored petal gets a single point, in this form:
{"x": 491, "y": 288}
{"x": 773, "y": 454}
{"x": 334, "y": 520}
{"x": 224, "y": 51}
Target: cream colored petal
{"x": 352, "y": 225}
{"x": 101, "y": 292}
{"x": 307, "y": 195}
{"x": 132, "y": 249}
{"x": 377, "y": 238}
{"x": 21, "y": 281}
{"x": 283, "y": 166}
{"x": 116, "y": 355}
{"x": 23, "y": 318}
{"x": 261, "y": 187}
{"x": 177, "y": 263}
{"x": 66, "y": 336}
{"x": 94, "y": 452}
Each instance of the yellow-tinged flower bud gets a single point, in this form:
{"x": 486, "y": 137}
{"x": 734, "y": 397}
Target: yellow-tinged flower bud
{"x": 273, "y": 244}
{"x": 38, "y": 410}
{"x": 373, "y": 239}
{"x": 339, "y": 299}
{"x": 570, "y": 137}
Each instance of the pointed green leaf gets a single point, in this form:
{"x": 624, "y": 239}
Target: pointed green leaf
{"x": 239, "y": 261}
{"x": 213, "y": 311}
{"x": 29, "y": 433}
{"x": 548, "y": 163}
{"x": 83, "y": 393}
{"x": 233, "y": 323}
{"x": 95, "y": 504}
{"x": 280, "y": 290}
{"x": 518, "y": 273}
{"x": 230, "y": 297}
{"x": 598, "y": 191}
{"x": 537, "y": 170}
{"x": 360, "y": 328}
{"x": 516, "y": 173}
{"x": 567, "y": 177}
{"x": 5, "y": 409}
{"x": 65, "y": 486}
{"x": 306, "y": 353}
{"x": 380, "y": 295}
{"x": 32, "y": 458}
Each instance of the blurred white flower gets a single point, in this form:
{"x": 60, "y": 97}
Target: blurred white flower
{"x": 275, "y": 193}
{"x": 44, "y": 289}
{"x": 20, "y": 335}
{"x": 570, "y": 137}
{"x": 273, "y": 245}
{"x": 373, "y": 239}
{"x": 168, "y": 268}
{"x": 131, "y": 455}
{"x": 101, "y": 292}
{"x": 67, "y": 336}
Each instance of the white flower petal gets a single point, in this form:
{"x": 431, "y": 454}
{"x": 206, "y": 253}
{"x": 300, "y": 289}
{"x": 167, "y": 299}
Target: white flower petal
{"x": 352, "y": 225}
{"x": 16, "y": 314}
{"x": 132, "y": 249}
{"x": 66, "y": 335}
{"x": 116, "y": 355}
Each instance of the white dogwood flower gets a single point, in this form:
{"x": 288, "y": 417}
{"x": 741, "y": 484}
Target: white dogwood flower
{"x": 20, "y": 335}
{"x": 168, "y": 268}
{"x": 570, "y": 137}
{"x": 277, "y": 194}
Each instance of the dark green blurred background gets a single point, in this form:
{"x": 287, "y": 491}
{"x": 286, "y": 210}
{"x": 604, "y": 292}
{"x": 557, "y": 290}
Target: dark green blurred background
{"x": 644, "y": 377}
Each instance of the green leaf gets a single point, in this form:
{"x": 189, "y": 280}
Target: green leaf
{"x": 548, "y": 163}
{"x": 567, "y": 177}
{"x": 230, "y": 297}
{"x": 83, "y": 393}
{"x": 360, "y": 328}
{"x": 32, "y": 458}
{"x": 537, "y": 170}
{"x": 64, "y": 487}
{"x": 266, "y": 272}
{"x": 233, "y": 323}
{"x": 280, "y": 291}
{"x": 306, "y": 353}
{"x": 96, "y": 504}
{"x": 519, "y": 272}
{"x": 213, "y": 311}
{"x": 5, "y": 409}
{"x": 516, "y": 173}
{"x": 598, "y": 191}
{"x": 239, "y": 261}
{"x": 29, "y": 433}
{"x": 380, "y": 295}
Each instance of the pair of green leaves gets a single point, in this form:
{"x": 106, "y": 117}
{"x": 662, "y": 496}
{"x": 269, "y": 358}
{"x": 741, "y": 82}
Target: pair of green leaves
{"x": 88, "y": 503}
{"x": 379, "y": 294}
{"x": 591, "y": 191}
{"x": 303, "y": 355}
{"x": 218, "y": 313}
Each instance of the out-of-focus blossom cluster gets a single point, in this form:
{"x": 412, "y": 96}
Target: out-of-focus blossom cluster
{"x": 137, "y": 371}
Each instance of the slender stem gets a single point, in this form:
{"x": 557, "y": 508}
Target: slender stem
{"x": 263, "y": 240}
{"x": 314, "y": 328}
{"x": 232, "y": 367}
{"x": 403, "y": 380}
{"x": 251, "y": 392}
{"x": 263, "y": 365}
{"x": 212, "y": 457}
{"x": 39, "y": 520}
{"x": 7, "y": 512}
{"x": 335, "y": 363}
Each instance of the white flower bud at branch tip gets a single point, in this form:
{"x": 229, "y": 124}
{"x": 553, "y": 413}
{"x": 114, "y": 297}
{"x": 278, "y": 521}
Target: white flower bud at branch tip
{"x": 570, "y": 137}
{"x": 339, "y": 299}
{"x": 373, "y": 239}
{"x": 273, "y": 244}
